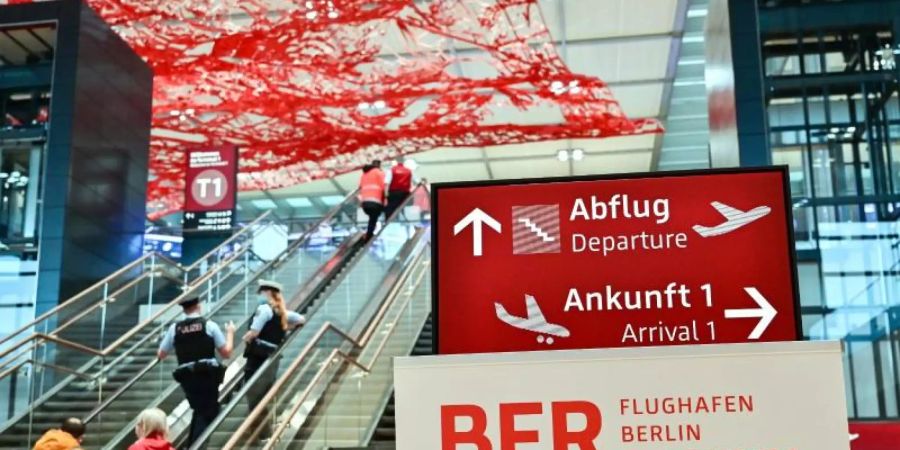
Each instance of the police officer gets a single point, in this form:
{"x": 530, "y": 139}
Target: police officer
{"x": 195, "y": 341}
{"x": 268, "y": 328}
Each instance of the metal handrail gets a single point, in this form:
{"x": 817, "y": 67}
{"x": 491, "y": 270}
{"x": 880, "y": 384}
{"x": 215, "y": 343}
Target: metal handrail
{"x": 276, "y": 435}
{"x": 84, "y": 292}
{"x": 277, "y": 260}
{"x": 32, "y": 342}
{"x": 106, "y": 351}
{"x": 168, "y": 261}
{"x": 231, "y": 239}
{"x": 261, "y": 407}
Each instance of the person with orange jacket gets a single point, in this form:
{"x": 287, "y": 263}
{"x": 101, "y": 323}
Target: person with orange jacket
{"x": 371, "y": 194}
{"x": 67, "y": 437}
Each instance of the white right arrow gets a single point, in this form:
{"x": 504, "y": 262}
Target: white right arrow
{"x": 477, "y": 219}
{"x": 766, "y": 313}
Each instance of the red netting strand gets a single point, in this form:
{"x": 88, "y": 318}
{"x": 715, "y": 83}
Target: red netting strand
{"x": 310, "y": 89}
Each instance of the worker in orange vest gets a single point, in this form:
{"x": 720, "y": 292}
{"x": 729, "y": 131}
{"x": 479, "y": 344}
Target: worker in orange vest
{"x": 399, "y": 187}
{"x": 371, "y": 194}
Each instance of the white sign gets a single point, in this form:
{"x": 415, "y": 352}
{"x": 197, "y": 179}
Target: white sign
{"x": 771, "y": 396}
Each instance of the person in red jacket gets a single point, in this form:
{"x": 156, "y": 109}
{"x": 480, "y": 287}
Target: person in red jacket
{"x": 371, "y": 194}
{"x": 401, "y": 182}
{"x": 152, "y": 431}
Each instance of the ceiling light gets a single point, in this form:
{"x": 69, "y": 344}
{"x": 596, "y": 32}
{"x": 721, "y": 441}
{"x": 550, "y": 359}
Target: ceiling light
{"x": 577, "y": 154}
{"x": 835, "y": 129}
{"x": 831, "y": 136}
{"x": 851, "y": 129}
{"x": 263, "y": 203}
{"x": 697, "y": 13}
{"x": 3, "y": 175}
{"x": 563, "y": 155}
{"x": 332, "y": 200}
{"x": 299, "y": 202}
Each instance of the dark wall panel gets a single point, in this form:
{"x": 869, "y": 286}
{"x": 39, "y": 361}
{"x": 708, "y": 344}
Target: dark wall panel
{"x": 109, "y": 152}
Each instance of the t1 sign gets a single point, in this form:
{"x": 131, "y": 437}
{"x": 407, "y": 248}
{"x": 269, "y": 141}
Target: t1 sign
{"x": 210, "y": 188}
{"x": 699, "y": 257}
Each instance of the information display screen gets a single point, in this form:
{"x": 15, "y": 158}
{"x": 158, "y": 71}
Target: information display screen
{"x": 210, "y": 188}
{"x": 635, "y": 260}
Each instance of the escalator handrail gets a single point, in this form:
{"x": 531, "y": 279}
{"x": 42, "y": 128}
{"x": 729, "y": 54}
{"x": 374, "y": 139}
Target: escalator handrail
{"x": 155, "y": 361}
{"x": 299, "y": 400}
{"x": 68, "y": 303}
{"x": 216, "y": 423}
{"x": 357, "y": 343}
{"x": 299, "y": 297}
{"x": 220, "y": 304}
{"x": 98, "y": 353}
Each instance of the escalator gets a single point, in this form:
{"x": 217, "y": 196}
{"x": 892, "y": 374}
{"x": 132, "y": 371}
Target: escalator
{"x": 110, "y": 386}
{"x": 353, "y": 300}
{"x": 384, "y": 436}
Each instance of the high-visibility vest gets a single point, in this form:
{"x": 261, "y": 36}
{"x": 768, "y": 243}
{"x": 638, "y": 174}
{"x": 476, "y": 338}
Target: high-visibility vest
{"x": 401, "y": 179}
{"x": 371, "y": 186}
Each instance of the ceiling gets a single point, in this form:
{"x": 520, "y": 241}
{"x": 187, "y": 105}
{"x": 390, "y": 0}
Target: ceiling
{"x": 637, "y": 51}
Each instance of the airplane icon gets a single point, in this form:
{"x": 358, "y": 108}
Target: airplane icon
{"x": 735, "y": 219}
{"x": 535, "y": 322}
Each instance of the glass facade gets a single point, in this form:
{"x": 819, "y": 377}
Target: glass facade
{"x": 834, "y": 118}
{"x": 26, "y": 53}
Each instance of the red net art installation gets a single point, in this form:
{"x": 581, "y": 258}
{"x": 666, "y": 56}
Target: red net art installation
{"x": 310, "y": 89}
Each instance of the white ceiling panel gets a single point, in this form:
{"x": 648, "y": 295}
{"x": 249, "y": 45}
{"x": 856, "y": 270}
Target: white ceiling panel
{"x": 599, "y": 164}
{"x": 530, "y": 168}
{"x": 348, "y": 181}
{"x": 320, "y": 187}
{"x": 642, "y": 100}
{"x": 613, "y": 62}
{"x": 546, "y": 148}
{"x": 615, "y": 144}
{"x": 589, "y": 19}
{"x": 448, "y": 154}
{"x": 447, "y": 172}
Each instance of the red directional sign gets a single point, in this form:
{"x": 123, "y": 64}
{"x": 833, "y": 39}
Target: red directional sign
{"x": 210, "y": 188}
{"x": 619, "y": 261}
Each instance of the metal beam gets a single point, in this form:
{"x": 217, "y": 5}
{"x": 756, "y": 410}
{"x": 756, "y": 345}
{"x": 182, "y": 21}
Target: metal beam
{"x": 530, "y": 157}
{"x": 681, "y": 10}
{"x": 26, "y": 77}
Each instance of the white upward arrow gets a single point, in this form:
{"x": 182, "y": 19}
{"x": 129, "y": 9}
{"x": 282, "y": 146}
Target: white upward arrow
{"x": 766, "y": 313}
{"x": 477, "y": 219}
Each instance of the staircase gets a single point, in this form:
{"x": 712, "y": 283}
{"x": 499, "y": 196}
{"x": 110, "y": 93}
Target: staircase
{"x": 80, "y": 396}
